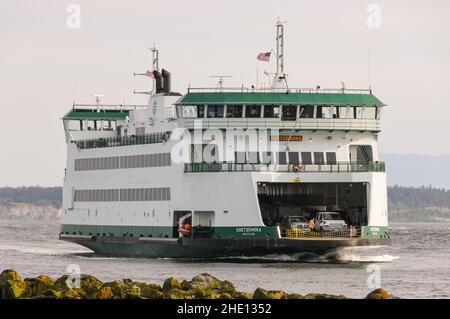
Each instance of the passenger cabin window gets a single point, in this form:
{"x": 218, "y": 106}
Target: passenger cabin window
{"x": 306, "y": 158}
{"x": 289, "y": 112}
{"x": 294, "y": 158}
{"x": 215, "y": 111}
{"x": 234, "y": 111}
{"x": 271, "y": 111}
{"x": 281, "y": 158}
{"x": 318, "y": 158}
{"x": 240, "y": 157}
{"x": 306, "y": 111}
{"x": 331, "y": 158}
{"x": 266, "y": 157}
{"x": 253, "y": 157}
{"x": 253, "y": 111}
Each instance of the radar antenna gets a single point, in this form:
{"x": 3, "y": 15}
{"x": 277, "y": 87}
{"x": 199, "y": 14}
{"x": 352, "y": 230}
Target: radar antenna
{"x": 97, "y": 100}
{"x": 220, "y": 83}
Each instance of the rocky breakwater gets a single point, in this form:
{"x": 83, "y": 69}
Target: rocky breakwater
{"x": 203, "y": 286}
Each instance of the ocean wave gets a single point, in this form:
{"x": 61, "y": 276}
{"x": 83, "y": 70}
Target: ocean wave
{"x": 39, "y": 250}
{"x": 357, "y": 254}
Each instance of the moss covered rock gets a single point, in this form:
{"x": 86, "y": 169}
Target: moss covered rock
{"x": 170, "y": 284}
{"x": 38, "y": 286}
{"x": 12, "y": 289}
{"x": 268, "y": 294}
{"x": 243, "y": 295}
{"x": 63, "y": 283}
{"x": 90, "y": 285}
{"x": 379, "y": 293}
{"x": 105, "y": 293}
{"x": 73, "y": 293}
{"x": 117, "y": 287}
{"x": 180, "y": 294}
{"x": 324, "y": 296}
{"x": 9, "y": 274}
{"x": 261, "y": 293}
{"x": 206, "y": 279}
{"x": 153, "y": 294}
{"x": 294, "y": 296}
{"x": 227, "y": 287}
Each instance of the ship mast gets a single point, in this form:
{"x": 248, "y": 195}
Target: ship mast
{"x": 279, "y": 80}
{"x": 155, "y": 64}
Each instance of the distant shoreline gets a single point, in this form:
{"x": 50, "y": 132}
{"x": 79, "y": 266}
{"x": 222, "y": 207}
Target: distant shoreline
{"x": 406, "y": 204}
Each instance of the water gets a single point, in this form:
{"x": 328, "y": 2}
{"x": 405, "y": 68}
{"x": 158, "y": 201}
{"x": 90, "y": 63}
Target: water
{"x": 416, "y": 266}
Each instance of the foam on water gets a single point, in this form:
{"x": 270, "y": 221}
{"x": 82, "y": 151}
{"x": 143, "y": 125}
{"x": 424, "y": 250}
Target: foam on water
{"x": 41, "y": 250}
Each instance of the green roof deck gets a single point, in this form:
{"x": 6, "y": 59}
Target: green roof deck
{"x": 278, "y": 98}
{"x": 110, "y": 115}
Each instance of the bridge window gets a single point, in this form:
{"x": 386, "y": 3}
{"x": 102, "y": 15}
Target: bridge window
{"x": 271, "y": 111}
{"x": 307, "y": 111}
{"x": 370, "y": 112}
{"x": 323, "y": 112}
{"x": 188, "y": 111}
{"x": 200, "y": 111}
{"x": 345, "y": 112}
{"x": 75, "y": 125}
{"x": 359, "y": 112}
{"x": 289, "y": 112}
{"x": 234, "y": 111}
{"x": 253, "y": 111}
{"x": 215, "y": 111}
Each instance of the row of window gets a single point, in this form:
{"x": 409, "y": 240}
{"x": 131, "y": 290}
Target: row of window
{"x": 280, "y": 158}
{"x": 122, "y": 195}
{"x": 286, "y": 112}
{"x": 283, "y": 158}
{"x": 118, "y": 162}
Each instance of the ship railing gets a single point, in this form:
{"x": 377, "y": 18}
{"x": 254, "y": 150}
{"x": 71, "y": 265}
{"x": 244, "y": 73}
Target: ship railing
{"x": 348, "y": 232}
{"x": 243, "y": 89}
{"x": 151, "y": 138}
{"x": 339, "y": 167}
{"x": 303, "y": 123}
{"x": 108, "y": 107}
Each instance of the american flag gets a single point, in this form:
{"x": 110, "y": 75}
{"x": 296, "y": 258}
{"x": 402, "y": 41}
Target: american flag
{"x": 149, "y": 74}
{"x": 265, "y": 56}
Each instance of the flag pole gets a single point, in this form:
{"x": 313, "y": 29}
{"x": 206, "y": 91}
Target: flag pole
{"x": 257, "y": 74}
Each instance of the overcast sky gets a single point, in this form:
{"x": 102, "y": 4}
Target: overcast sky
{"x": 45, "y": 65}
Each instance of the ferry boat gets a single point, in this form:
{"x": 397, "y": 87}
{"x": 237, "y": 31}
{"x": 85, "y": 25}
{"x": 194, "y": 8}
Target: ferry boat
{"x": 226, "y": 171}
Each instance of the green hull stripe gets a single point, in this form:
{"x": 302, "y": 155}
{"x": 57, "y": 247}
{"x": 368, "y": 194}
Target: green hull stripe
{"x": 375, "y": 231}
{"x": 165, "y": 231}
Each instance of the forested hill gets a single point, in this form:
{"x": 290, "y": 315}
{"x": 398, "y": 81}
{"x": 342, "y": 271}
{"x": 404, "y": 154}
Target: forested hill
{"x": 405, "y": 203}
{"x": 32, "y": 195}
{"x": 418, "y": 204}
